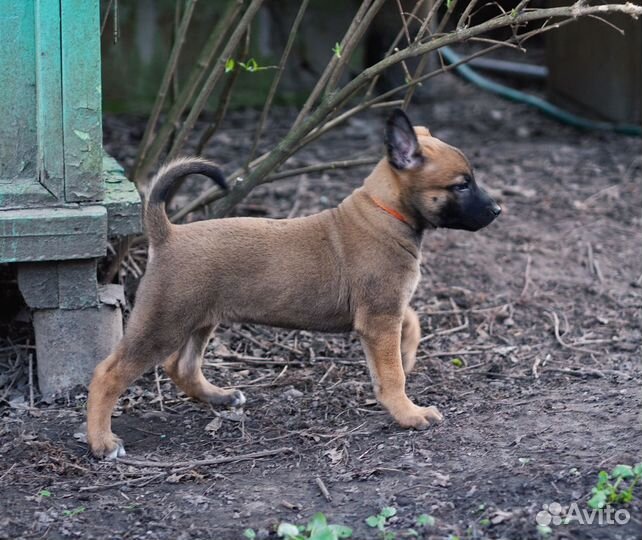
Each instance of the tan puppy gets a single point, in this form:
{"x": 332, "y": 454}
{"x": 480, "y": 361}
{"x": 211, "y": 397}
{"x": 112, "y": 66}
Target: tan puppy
{"x": 354, "y": 267}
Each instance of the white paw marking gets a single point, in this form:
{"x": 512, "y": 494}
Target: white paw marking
{"x": 239, "y": 400}
{"x": 117, "y": 452}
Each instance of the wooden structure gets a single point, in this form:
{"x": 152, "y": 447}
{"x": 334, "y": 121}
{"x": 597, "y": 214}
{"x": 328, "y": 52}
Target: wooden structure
{"x": 61, "y": 197}
{"x": 595, "y": 69}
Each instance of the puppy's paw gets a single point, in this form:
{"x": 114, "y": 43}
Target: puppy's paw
{"x": 228, "y": 398}
{"x": 419, "y": 417}
{"x": 117, "y": 452}
{"x": 108, "y": 447}
{"x": 237, "y": 399}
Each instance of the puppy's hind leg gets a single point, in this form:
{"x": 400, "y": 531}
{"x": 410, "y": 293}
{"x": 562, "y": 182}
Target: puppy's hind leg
{"x": 184, "y": 367}
{"x": 111, "y": 377}
{"x": 410, "y": 337}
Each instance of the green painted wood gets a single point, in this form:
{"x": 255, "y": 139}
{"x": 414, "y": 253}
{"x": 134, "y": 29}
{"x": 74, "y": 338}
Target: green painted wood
{"x": 82, "y": 125}
{"x": 49, "y": 96}
{"x": 44, "y": 234}
{"x": 121, "y": 200}
{"x": 30, "y": 104}
{"x": 24, "y": 192}
{"x": 17, "y": 92}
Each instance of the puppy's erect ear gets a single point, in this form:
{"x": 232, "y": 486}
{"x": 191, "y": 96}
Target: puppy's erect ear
{"x": 401, "y": 142}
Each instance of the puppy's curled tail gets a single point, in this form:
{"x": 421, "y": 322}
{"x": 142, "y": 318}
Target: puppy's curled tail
{"x": 157, "y": 223}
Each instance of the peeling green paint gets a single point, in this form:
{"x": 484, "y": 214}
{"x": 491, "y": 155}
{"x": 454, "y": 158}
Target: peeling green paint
{"x": 82, "y": 134}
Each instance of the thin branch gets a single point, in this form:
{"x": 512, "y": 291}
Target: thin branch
{"x": 277, "y": 77}
{"x": 446, "y": 18}
{"x": 167, "y": 77}
{"x": 395, "y": 42}
{"x": 465, "y": 16}
{"x": 319, "y": 167}
{"x": 428, "y": 20}
{"x": 353, "y": 40}
{"x": 327, "y": 72}
{"x": 146, "y": 160}
{"x": 214, "y": 77}
{"x": 224, "y": 99}
{"x": 203, "y": 462}
{"x": 106, "y": 17}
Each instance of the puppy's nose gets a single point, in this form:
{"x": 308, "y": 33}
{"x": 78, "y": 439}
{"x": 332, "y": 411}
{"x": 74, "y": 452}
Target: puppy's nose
{"x": 495, "y": 209}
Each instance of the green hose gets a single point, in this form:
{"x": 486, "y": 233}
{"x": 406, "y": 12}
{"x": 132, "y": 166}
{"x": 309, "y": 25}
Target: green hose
{"x": 551, "y": 110}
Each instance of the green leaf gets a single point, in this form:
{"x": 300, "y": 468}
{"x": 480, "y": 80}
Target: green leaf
{"x": 485, "y": 522}
{"x": 44, "y": 493}
{"x": 388, "y": 511}
{"x": 251, "y": 65}
{"x": 625, "y": 497}
{"x": 389, "y": 535}
{"x": 449, "y": 4}
{"x": 74, "y": 512}
{"x": 425, "y": 520}
{"x": 373, "y": 521}
{"x": 544, "y": 530}
{"x": 288, "y": 531}
{"x": 623, "y": 471}
{"x": 457, "y": 362}
{"x": 602, "y": 479}
{"x": 337, "y": 49}
{"x": 317, "y": 522}
{"x": 598, "y": 500}
{"x": 325, "y": 533}
{"x": 249, "y": 534}
{"x": 637, "y": 469}
{"x": 229, "y": 66}
{"x": 341, "y": 531}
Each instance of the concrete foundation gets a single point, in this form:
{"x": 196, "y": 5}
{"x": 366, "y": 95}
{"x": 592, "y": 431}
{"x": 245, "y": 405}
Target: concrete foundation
{"x": 69, "y": 344}
{"x": 76, "y": 322}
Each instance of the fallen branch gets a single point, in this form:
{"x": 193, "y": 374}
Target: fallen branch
{"x": 203, "y": 462}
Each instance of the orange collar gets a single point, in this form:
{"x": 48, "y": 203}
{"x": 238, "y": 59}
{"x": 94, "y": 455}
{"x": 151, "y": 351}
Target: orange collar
{"x": 392, "y": 212}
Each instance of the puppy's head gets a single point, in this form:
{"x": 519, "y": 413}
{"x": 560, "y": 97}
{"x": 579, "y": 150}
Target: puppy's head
{"x": 436, "y": 179}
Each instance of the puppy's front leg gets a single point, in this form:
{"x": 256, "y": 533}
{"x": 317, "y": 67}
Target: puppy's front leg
{"x": 410, "y": 337}
{"x": 381, "y": 339}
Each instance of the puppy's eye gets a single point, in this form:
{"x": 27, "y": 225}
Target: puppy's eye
{"x": 464, "y": 185}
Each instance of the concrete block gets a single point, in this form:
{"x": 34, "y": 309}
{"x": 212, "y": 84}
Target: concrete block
{"x": 71, "y": 342}
{"x": 64, "y": 284}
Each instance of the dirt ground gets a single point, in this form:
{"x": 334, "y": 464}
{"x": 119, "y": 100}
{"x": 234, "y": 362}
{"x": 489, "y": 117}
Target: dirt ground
{"x": 531, "y": 352}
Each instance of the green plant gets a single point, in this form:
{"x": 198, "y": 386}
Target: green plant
{"x": 380, "y": 520}
{"x": 544, "y": 531}
{"x": 457, "y": 362}
{"x": 422, "y": 521}
{"x": 612, "y": 488}
{"x": 337, "y": 49}
{"x": 45, "y": 493}
{"x": 73, "y": 512}
{"x": 250, "y": 66}
{"x": 318, "y": 528}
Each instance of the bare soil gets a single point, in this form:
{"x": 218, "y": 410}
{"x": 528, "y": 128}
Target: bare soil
{"x": 532, "y": 353}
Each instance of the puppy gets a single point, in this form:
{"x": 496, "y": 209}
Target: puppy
{"x": 354, "y": 267}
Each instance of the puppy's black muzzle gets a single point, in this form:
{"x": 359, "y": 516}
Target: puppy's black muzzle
{"x": 470, "y": 210}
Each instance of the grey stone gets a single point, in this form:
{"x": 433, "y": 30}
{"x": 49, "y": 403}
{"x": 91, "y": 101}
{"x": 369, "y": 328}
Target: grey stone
{"x": 70, "y": 343}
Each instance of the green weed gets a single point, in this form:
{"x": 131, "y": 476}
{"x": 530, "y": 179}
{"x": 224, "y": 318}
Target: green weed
{"x": 317, "y": 529}
{"x": 73, "y": 512}
{"x": 617, "y": 487}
